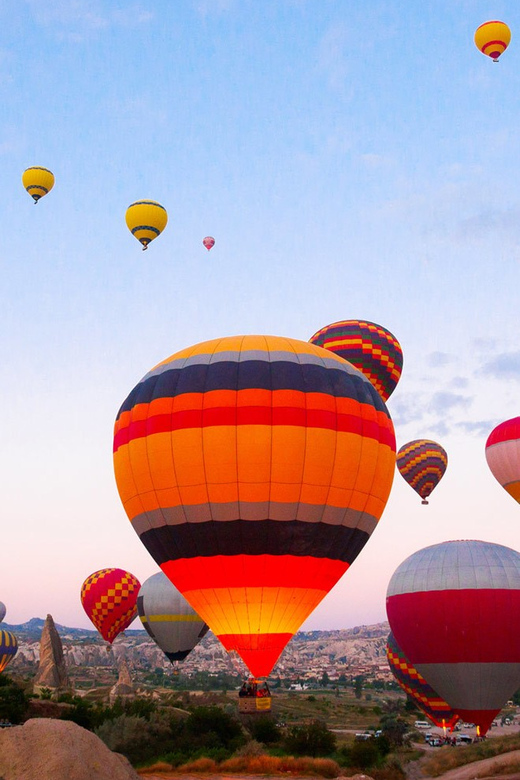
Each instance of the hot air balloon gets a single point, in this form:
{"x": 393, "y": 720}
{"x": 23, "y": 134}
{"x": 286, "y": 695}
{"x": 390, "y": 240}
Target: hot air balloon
{"x": 168, "y": 618}
{"x": 8, "y": 648}
{"x": 209, "y": 242}
{"x": 146, "y": 220}
{"x": 369, "y": 347}
{"x": 422, "y": 464}
{"x": 492, "y": 38}
{"x": 109, "y": 597}
{"x": 503, "y": 455}
{"x": 38, "y": 182}
{"x": 254, "y": 469}
{"x": 2, "y": 611}
{"x": 450, "y": 608}
{"x": 414, "y": 684}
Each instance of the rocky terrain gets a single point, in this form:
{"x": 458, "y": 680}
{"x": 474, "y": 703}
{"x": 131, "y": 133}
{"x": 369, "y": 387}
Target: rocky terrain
{"x": 309, "y": 655}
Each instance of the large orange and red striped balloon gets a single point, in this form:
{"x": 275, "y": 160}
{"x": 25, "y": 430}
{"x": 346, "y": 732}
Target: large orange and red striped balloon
{"x": 503, "y": 455}
{"x": 109, "y": 597}
{"x": 452, "y": 608}
{"x": 254, "y": 469}
{"x": 422, "y": 464}
{"x": 492, "y": 38}
{"x": 369, "y": 347}
{"x": 414, "y": 684}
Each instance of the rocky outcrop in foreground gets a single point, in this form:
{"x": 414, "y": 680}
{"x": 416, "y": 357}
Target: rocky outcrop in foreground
{"x": 45, "y": 749}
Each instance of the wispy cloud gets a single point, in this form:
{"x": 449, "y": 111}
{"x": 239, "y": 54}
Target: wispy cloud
{"x": 432, "y": 411}
{"x": 77, "y": 19}
{"x": 207, "y": 7}
{"x": 485, "y": 223}
{"x": 460, "y": 382}
{"x": 439, "y": 359}
{"x": 334, "y": 50}
{"x": 444, "y": 402}
{"x": 503, "y": 366}
{"x": 477, "y": 427}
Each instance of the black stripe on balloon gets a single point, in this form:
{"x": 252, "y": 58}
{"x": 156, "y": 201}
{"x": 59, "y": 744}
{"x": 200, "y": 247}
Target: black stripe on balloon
{"x": 254, "y": 537}
{"x": 179, "y": 656}
{"x": 251, "y": 374}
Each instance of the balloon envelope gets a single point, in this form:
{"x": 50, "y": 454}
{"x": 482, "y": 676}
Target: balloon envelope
{"x": 8, "y": 648}
{"x": 2, "y": 611}
{"x": 38, "y": 182}
{"x": 254, "y": 469}
{"x": 414, "y": 684}
{"x": 492, "y": 38}
{"x": 503, "y": 455}
{"x": 209, "y": 242}
{"x": 168, "y": 618}
{"x": 109, "y": 597}
{"x": 422, "y": 463}
{"x": 369, "y": 347}
{"x": 450, "y": 608}
{"x": 146, "y": 219}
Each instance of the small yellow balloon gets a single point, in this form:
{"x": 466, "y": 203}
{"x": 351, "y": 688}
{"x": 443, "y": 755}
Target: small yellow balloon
{"x": 146, "y": 219}
{"x": 38, "y": 182}
{"x": 492, "y": 39}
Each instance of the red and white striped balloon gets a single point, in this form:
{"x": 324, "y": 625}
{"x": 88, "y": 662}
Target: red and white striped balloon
{"x": 451, "y": 608}
{"x": 503, "y": 455}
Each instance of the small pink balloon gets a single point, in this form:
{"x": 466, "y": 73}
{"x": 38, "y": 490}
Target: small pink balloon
{"x": 209, "y": 242}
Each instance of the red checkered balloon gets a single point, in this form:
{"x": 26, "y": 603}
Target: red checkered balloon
{"x": 109, "y": 597}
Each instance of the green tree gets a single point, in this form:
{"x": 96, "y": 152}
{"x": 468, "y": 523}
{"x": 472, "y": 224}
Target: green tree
{"x": 364, "y": 754}
{"x": 264, "y": 729}
{"x": 358, "y": 686}
{"x": 394, "y": 729}
{"x": 13, "y": 701}
{"x": 312, "y": 739}
{"x": 325, "y": 680}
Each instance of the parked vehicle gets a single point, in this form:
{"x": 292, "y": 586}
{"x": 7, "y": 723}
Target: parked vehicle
{"x": 422, "y": 724}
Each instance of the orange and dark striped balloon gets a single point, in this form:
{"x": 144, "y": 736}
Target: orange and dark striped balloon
{"x": 369, "y": 347}
{"x": 414, "y": 684}
{"x": 109, "y": 597}
{"x": 254, "y": 469}
{"x": 422, "y": 463}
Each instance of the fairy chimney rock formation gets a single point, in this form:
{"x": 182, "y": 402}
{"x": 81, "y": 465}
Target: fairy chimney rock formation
{"x": 124, "y": 686}
{"x": 52, "y": 671}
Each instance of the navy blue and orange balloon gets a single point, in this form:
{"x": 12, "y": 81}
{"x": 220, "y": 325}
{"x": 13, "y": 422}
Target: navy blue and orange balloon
{"x": 254, "y": 469}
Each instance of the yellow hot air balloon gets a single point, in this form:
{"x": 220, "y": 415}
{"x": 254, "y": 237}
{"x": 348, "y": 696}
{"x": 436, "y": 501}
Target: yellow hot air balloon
{"x": 492, "y": 38}
{"x": 38, "y": 182}
{"x": 146, "y": 219}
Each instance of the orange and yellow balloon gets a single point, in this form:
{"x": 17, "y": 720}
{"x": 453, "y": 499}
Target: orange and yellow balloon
{"x": 38, "y": 182}
{"x": 254, "y": 469}
{"x": 146, "y": 219}
{"x": 492, "y": 38}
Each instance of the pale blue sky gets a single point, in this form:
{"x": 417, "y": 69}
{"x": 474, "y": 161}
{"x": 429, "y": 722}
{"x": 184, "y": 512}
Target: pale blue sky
{"x": 352, "y": 159}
